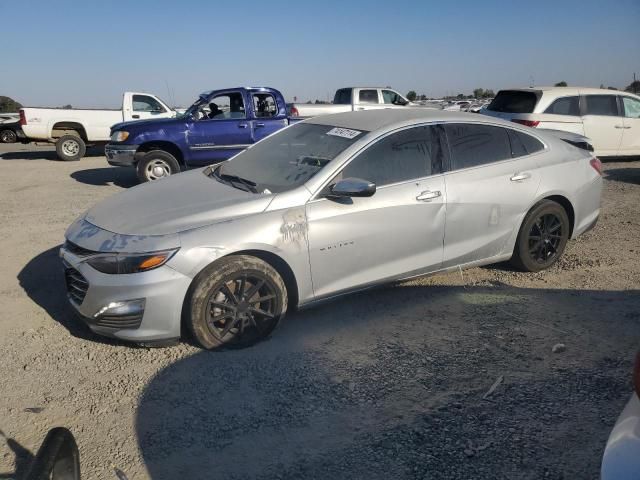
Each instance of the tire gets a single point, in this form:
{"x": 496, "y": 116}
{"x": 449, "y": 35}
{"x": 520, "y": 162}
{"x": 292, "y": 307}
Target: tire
{"x": 8, "y": 136}
{"x": 155, "y": 165}
{"x": 542, "y": 237}
{"x": 220, "y": 312}
{"x": 70, "y": 147}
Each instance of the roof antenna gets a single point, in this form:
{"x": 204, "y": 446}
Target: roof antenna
{"x": 531, "y": 81}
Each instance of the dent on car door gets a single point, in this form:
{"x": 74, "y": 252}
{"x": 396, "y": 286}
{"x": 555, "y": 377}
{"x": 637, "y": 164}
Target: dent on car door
{"x": 488, "y": 190}
{"x": 396, "y": 232}
{"x": 630, "y": 144}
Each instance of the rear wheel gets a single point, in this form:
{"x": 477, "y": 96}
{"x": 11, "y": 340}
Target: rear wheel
{"x": 236, "y": 302}
{"x": 542, "y": 238}
{"x": 155, "y": 165}
{"x": 8, "y": 136}
{"x": 70, "y": 147}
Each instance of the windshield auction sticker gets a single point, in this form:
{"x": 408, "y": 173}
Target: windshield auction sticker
{"x": 344, "y": 133}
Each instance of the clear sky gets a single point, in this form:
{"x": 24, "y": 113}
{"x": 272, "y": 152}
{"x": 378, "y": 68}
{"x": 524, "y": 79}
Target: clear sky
{"x": 87, "y": 53}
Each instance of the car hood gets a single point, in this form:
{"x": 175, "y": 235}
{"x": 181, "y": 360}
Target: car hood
{"x": 146, "y": 124}
{"x": 175, "y": 204}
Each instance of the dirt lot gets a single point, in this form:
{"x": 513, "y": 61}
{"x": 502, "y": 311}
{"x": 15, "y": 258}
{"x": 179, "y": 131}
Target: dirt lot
{"x": 383, "y": 384}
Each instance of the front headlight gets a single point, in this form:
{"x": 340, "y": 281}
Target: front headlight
{"x": 119, "y": 136}
{"x": 121, "y": 263}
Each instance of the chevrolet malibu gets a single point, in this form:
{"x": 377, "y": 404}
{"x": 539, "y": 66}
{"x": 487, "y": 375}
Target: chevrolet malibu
{"x": 324, "y": 207}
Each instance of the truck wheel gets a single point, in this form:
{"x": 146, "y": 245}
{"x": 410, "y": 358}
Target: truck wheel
{"x": 155, "y": 165}
{"x": 70, "y": 147}
{"x": 235, "y": 302}
{"x": 8, "y": 136}
{"x": 542, "y": 238}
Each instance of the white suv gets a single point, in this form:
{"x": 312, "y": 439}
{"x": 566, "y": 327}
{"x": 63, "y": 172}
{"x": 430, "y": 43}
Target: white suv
{"x": 610, "y": 118}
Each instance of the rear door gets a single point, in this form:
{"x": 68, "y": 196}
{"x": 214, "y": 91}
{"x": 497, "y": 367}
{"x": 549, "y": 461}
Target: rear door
{"x": 394, "y": 233}
{"x": 268, "y": 115}
{"x": 366, "y": 98}
{"x": 603, "y": 123}
{"x": 223, "y": 132}
{"x": 488, "y": 190}
{"x": 631, "y": 133}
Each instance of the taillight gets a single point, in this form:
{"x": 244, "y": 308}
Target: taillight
{"x": 23, "y": 119}
{"x": 294, "y": 112}
{"x": 528, "y": 123}
{"x": 636, "y": 374}
{"x": 596, "y": 164}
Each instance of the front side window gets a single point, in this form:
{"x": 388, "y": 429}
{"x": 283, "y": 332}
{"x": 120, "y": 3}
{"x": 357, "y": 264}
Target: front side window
{"x": 368, "y": 96}
{"x": 392, "y": 98}
{"x": 631, "y": 107}
{"x": 473, "y": 145}
{"x": 143, "y": 103}
{"x": 565, "y": 106}
{"x": 226, "y": 106}
{"x": 407, "y": 155}
{"x": 605, "y": 105}
{"x": 264, "y": 105}
{"x": 290, "y": 157}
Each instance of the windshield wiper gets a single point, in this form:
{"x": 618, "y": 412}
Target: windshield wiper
{"x": 250, "y": 186}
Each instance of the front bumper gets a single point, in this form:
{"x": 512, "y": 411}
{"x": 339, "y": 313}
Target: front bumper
{"x": 161, "y": 293}
{"x": 121, "y": 155}
{"x": 621, "y": 460}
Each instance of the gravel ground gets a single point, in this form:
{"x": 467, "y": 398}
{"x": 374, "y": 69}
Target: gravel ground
{"x": 390, "y": 383}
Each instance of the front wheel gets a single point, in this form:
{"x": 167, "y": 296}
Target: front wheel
{"x": 542, "y": 237}
{"x": 8, "y": 136}
{"x": 236, "y": 302}
{"x": 70, "y": 147}
{"x": 155, "y": 165}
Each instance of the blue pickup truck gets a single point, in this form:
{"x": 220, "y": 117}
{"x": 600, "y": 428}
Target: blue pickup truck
{"x": 218, "y": 125}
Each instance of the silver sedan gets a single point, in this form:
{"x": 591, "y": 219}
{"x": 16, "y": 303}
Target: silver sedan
{"x": 326, "y": 206}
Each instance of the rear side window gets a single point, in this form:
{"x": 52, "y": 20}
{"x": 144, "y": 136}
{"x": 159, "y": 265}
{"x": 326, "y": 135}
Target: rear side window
{"x": 474, "y": 145}
{"x": 631, "y": 107}
{"x": 264, "y": 105}
{"x": 413, "y": 153}
{"x": 513, "y": 101}
{"x": 605, "y": 105}
{"x": 523, "y": 144}
{"x": 342, "y": 97}
{"x": 565, "y": 106}
{"x": 368, "y": 96}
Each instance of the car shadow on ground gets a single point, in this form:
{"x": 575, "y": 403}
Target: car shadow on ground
{"x": 391, "y": 383}
{"x": 42, "y": 279}
{"x": 625, "y": 175}
{"x": 46, "y": 154}
{"x": 121, "y": 177}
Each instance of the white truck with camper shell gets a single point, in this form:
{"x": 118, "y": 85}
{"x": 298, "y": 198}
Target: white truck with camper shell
{"x": 72, "y": 130}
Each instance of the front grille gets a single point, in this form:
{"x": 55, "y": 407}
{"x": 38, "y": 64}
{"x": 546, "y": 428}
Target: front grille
{"x": 77, "y": 250}
{"x": 77, "y": 285}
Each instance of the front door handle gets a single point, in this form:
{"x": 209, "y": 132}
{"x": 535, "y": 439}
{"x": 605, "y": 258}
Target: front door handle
{"x": 518, "y": 177}
{"x": 428, "y": 195}
{"x": 135, "y": 116}
{"x": 242, "y": 125}
{"x": 622, "y": 126}
{"x": 259, "y": 125}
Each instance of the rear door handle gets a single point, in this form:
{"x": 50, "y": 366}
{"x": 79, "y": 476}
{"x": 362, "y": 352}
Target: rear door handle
{"x": 259, "y": 125}
{"x": 242, "y": 125}
{"x": 518, "y": 177}
{"x": 135, "y": 116}
{"x": 622, "y": 126}
{"x": 428, "y": 195}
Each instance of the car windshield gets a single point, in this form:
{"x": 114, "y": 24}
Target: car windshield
{"x": 289, "y": 158}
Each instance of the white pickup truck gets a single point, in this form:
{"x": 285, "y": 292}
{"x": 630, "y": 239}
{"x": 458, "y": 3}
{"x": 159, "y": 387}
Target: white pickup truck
{"x": 351, "y": 99}
{"x": 73, "y": 129}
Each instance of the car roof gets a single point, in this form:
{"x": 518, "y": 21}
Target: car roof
{"x": 389, "y": 118}
{"x": 565, "y": 91}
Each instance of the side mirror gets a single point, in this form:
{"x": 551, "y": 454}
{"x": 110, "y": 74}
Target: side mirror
{"x": 58, "y": 457}
{"x": 352, "y": 187}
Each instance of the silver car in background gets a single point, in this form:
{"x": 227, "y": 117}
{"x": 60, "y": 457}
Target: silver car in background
{"x": 326, "y": 206}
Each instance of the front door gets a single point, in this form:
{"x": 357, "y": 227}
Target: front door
{"x": 146, "y": 107}
{"x": 397, "y": 232}
{"x": 221, "y": 131}
{"x": 603, "y": 123}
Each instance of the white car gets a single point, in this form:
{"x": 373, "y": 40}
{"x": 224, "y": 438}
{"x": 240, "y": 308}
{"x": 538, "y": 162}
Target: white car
{"x": 621, "y": 460}
{"x": 72, "y": 129}
{"x": 610, "y": 118}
